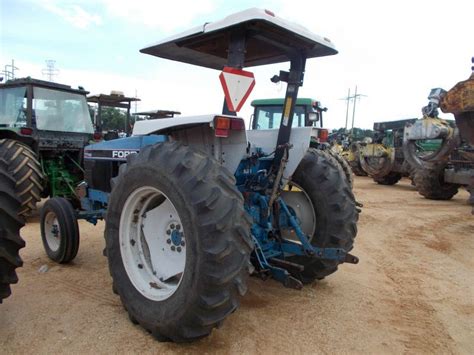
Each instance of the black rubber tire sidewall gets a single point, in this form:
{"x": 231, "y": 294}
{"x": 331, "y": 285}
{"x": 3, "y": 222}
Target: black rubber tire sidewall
{"x": 10, "y": 225}
{"x": 69, "y": 229}
{"x": 390, "y": 179}
{"x": 346, "y": 168}
{"x": 30, "y": 189}
{"x": 175, "y": 317}
{"x": 130, "y": 296}
{"x": 320, "y": 176}
{"x": 430, "y": 184}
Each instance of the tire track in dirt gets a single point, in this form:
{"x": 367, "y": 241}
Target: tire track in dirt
{"x": 101, "y": 296}
{"x": 78, "y": 288}
{"x": 413, "y": 315}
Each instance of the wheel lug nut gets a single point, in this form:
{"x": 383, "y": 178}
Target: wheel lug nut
{"x": 182, "y": 243}
{"x": 178, "y": 227}
{"x": 168, "y": 232}
{"x": 173, "y": 248}
{"x": 168, "y": 241}
{"x": 178, "y": 249}
{"x": 172, "y": 226}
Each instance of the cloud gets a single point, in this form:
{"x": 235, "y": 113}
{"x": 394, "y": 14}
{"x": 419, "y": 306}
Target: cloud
{"x": 74, "y": 14}
{"x": 157, "y": 14}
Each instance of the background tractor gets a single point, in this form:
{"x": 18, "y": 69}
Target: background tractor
{"x": 43, "y": 129}
{"x": 440, "y": 174}
{"x": 383, "y": 160}
{"x": 344, "y": 146}
{"x": 351, "y": 154}
{"x": 155, "y": 114}
{"x": 308, "y": 113}
{"x": 193, "y": 204}
{"x": 114, "y": 100}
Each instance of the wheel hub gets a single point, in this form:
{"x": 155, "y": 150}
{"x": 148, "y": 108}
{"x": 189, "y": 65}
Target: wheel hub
{"x": 152, "y": 242}
{"x": 52, "y": 231}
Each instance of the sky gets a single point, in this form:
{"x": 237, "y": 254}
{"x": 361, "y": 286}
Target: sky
{"x": 394, "y": 51}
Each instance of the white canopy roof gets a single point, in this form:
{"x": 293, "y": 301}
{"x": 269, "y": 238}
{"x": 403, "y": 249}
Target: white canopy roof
{"x": 268, "y": 39}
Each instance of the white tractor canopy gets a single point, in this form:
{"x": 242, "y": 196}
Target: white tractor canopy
{"x": 268, "y": 41}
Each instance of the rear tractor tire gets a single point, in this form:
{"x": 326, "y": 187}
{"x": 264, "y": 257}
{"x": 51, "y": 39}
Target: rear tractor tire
{"x": 323, "y": 189}
{"x": 430, "y": 184}
{"x": 10, "y": 225}
{"x": 177, "y": 241}
{"x": 59, "y": 230}
{"x": 25, "y": 168}
{"x": 346, "y": 168}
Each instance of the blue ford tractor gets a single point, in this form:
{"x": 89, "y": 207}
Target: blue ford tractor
{"x": 193, "y": 205}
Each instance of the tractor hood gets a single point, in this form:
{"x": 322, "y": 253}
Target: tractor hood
{"x": 268, "y": 40}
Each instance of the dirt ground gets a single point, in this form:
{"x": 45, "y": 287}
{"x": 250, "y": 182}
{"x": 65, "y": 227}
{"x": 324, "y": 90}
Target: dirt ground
{"x": 412, "y": 292}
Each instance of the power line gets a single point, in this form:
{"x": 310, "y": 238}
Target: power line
{"x": 352, "y": 98}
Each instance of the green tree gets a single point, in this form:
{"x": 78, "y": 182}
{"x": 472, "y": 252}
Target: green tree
{"x": 113, "y": 119}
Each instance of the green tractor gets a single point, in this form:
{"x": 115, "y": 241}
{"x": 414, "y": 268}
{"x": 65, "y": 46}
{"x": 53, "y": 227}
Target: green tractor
{"x": 308, "y": 113}
{"x": 44, "y": 127}
{"x": 383, "y": 159}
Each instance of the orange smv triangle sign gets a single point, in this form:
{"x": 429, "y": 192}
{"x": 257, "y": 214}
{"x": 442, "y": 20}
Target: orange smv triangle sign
{"x": 237, "y": 85}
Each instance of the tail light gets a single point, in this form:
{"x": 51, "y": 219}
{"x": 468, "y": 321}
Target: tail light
{"x": 26, "y": 131}
{"x": 97, "y": 136}
{"x": 222, "y": 125}
{"x": 323, "y": 135}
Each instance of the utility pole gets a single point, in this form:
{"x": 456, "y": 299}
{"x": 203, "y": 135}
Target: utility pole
{"x": 355, "y": 97}
{"x": 50, "y": 71}
{"x": 348, "y": 98}
{"x": 10, "y": 73}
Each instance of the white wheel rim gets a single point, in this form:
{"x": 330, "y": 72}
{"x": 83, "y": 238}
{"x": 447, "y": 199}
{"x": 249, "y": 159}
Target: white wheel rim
{"x": 152, "y": 243}
{"x": 52, "y": 231}
{"x": 301, "y": 204}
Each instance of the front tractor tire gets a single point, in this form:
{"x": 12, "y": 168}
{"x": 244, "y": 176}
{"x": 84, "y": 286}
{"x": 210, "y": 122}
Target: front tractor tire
{"x": 10, "y": 225}
{"x": 333, "y": 223}
{"x": 25, "y": 168}
{"x": 177, "y": 241}
{"x": 430, "y": 184}
{"x": 59, "y": 230}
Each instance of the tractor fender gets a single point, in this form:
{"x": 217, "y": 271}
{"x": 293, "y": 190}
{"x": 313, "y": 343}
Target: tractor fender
{"x": 198, "y": 132}
{"x": 266, "y": 140}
